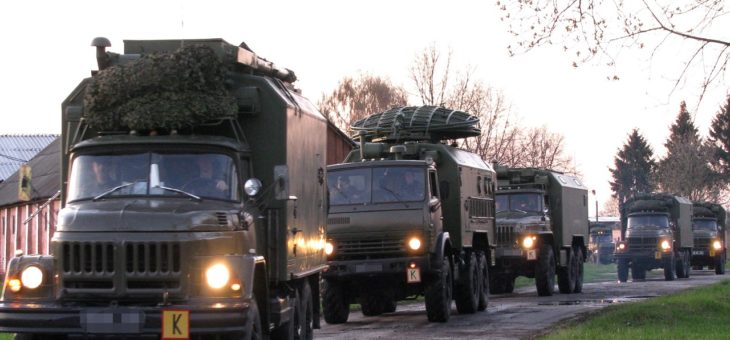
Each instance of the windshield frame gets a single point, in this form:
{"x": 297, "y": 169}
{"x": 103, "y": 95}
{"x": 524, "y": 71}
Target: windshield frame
{"x": 536, "y": 198}
{"x": 634, "y": 217}
{"x": 154, "y": 183}
{"x": 367, "y": 185}
{"x": 696, "y": 227}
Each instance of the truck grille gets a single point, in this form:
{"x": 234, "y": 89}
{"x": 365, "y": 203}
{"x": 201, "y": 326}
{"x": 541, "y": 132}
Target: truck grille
{"x": 642, "y": 243}
{"x": 505, "y": 235}
{"x": 371, "y": 248}
{"x": 149, "y": 267}
{"x": 702, "y": 243}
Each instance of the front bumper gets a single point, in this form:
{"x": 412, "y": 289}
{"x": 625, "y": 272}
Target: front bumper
{"x": 643, "y": 256}
{"x": 136, "y": 321}
{"x": 339, "y": 269}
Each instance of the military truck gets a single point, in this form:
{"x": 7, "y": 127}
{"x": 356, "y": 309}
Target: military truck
{"x": 416, "y": 218}
{"x": 708, "y": 227}
{"x": 601, "y": 244}
{"x": 542, "y": 229}
{"x": 154, "y": 254}
{"x": 656, "y": 232}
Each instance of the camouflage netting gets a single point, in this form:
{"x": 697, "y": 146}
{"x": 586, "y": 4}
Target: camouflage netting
{"x": 167, "y": 91}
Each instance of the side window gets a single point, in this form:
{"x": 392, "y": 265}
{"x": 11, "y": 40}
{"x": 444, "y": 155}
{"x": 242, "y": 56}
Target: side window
{"x": 433, "y": 184}
{"x": 479, "y": 184}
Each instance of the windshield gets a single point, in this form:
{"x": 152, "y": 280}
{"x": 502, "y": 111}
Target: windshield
{"x": 205, "y": 175}
{"x": 376, "y": 185}
{"x": 602, "y": 237}
{"x": 639, "y": 221}
{"x": 704, "y": 224}
{"x": 527, "y": 202}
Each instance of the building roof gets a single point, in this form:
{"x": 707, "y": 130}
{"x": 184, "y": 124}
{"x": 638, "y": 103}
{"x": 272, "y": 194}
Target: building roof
{"x": 18, "y": 149}
{"x": 45, "y": 176}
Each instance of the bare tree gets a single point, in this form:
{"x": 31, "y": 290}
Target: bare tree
{"x": 610, "y": 207}
{"x": 356, "y": 98}
{"x": 544, "y": 149}
{"x": 590, "y": 28}
{"x": 430, "y": 75}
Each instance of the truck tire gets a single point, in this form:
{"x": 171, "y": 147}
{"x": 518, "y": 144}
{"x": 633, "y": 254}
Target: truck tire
{"x": 371, "y": 304}
{"x": 682, "y": 266}
{"x": 623, "y": 270}
{"x": 335, "y": 307}
{"x": 509, "y": 284}
{"x": 389, "y": 305}
{"x": 567, "y": 275}
{"x": 467, "y": 289}
{"x": 669, "y": 268}
{"x": 438, "y": 294}
{"x": 720, "y": 264}
{"x": 484, "y": 281}
{"x": 304, "y": 318}
{"x": 578, "y": 253}
{"x": 638, "y": 273}
{"x": 545, "y": 271}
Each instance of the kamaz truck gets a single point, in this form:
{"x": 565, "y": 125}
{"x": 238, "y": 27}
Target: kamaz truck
{"x": 708, "y": 226}
{"x": 601, "y": 243}
{"x": 194, "y": 202}
{"x": 656, "y": 233}
{"x": 542, "y": 229}
{"x": 409, "y": 216}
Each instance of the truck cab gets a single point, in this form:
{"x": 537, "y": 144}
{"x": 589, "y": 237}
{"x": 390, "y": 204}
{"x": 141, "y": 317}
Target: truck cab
{"x": 708, "y": 228}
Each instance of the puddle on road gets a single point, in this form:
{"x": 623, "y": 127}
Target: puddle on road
{"x": 594, "y": 302}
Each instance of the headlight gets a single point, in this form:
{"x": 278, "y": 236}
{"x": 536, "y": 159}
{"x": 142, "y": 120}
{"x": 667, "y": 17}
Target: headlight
{"x": 717, "y": 244}
{"x": 666, "y": 245}
{"x": 528, "y": 242}
{"x": 414, "y": 243}
{"x": 217, "y": 276}
{"x": 621, "y": 246}
{"x": 31, "y": 277}
{"x": 252, "y": 186}
{"x": 329, "y": 248}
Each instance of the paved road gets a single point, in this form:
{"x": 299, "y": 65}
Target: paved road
{"x": 512, "y": 316}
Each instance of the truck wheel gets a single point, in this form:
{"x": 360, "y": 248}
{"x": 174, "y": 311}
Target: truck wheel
{"x": 467, "y": 293}
{"x": 509, "y": 284}
{"x": 680, "y": 269}
{"x": 638, "y": 273}
{"x": 578, "y": 253}
{"x": 567, "y": 275}
{"x": 545, "y": 271}
{"x": 286, "y": 331}
{"x": 623, "y": 270}
{"x": 686, "y": 260}
{"x": 669, "y": 268}
{"x": 720, "y": 264}
{"x": 484, "y": 280}
{"x": 335, "y": 308}
{"x": 389, "y": 305}
{"x": 371, "y": 304}
{"x": 438, "y": 294}
{"x": 304, "y": 318}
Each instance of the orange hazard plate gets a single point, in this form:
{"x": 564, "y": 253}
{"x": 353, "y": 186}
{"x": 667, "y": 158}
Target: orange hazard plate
{"x": 175, "y": 324}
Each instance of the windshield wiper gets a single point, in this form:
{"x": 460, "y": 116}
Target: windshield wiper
{"x": 116, "y": 188}
{"x": 195, "y": 197}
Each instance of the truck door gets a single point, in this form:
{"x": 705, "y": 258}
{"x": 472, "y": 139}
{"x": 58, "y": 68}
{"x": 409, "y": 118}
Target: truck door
{"x": 434, "y": 201}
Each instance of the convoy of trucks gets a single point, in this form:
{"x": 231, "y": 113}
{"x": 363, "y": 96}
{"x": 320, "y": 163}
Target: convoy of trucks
{"x": 194, "y": 202}
{"x": 708, "y": 226}
{"x": 409, "y": 216}
{"x": 656, "y": 232}
{"x": 542, "y": 229}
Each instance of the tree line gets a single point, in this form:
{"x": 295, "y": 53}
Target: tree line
{"x": 435, "y": 82}
{"x": 694, "y": 167}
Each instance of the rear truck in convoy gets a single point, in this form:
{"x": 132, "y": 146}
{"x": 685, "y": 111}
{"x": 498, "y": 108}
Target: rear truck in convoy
{"x": 601, "y": 244}
{"x": 542, "y": 229}
{"x": 656, "y": 233}
{"x": 708, "y": 226}
{"x": 194, "y": 202}
{"x": 409, "y": 216}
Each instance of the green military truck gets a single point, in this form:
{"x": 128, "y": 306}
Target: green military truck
{"x": 601, "y": 243}
{"x": 148, "y": 243}
{"x": 409, "y": 216}
{"x": 542, "y": 229}
{"x": 656, "y": 232}
{"x": 708, "y": 227}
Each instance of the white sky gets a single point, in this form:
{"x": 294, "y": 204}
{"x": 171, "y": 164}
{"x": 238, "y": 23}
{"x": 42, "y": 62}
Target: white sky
{"x": 45, "y": 53}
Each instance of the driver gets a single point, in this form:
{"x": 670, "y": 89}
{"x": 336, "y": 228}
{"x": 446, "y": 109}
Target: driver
{"x": 206, "y": 184}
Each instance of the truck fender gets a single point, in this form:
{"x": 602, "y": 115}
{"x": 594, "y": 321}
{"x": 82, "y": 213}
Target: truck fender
{"x": 249, "y": 269}
{"x": 441, "y": 248}
{"x": 480, "y": 242}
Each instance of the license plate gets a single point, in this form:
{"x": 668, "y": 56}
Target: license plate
{"x": 658, "y": 255}
{"x": 532, "y": 254}
{"x": 105, "y": 321}
{"x": 368, "y": 267}
{"x": 413, "y": 275}
{"x": 175, "y": 324}
{"x": 698, "y": 252}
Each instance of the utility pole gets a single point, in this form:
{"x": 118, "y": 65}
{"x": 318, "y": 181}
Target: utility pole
{"x": 596, "y": 197}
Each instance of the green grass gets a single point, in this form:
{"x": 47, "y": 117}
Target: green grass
{"x": 592, "y": 272}
{"x": 700, "y": 313}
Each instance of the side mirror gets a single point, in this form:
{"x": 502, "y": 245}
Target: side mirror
{"x": 281, "y": 182}
{"x": 434, "y": 204}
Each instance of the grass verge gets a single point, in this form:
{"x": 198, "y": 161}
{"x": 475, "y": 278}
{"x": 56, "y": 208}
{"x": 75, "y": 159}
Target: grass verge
{"x": 592, "y": 272}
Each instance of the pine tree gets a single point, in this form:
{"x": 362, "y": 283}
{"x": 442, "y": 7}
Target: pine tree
{"x": 633, "y": 168}
{"x": 719, "y": 141}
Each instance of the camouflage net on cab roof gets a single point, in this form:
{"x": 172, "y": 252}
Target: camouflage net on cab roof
{"x": 168, "y": 91}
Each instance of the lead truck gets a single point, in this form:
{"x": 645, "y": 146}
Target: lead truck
{"x": 150, "y": 256}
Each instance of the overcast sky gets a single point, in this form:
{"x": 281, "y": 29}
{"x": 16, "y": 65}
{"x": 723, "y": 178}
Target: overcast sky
{"x": 45, "y": 53}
